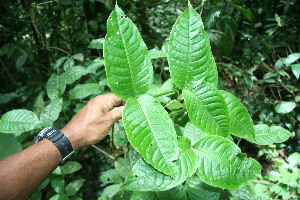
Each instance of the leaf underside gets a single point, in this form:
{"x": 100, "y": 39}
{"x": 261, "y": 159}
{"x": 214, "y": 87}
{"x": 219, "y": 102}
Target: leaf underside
{"x": 207, "y": 109}
{"x": 152, "y": 136}
{"x": 127, "y": 63}
{"x": 221, "y": 163}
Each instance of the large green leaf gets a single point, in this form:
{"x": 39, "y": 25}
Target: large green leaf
{"x": 143, "y": 177}
{"x": 207, "y": 109}
{"x": 56, "y": 86}
{"x": 84, "y": 90}
{"x": 189, "y": 50}
{"x": 8, "y": 145}
{"x": 176, "y": 193}
{"x": 221, "y": 163}
{"x": 266, "y": 135}
{"x": 212, "y": 73}
{"x": 19, "y": 121}
{"x": 192, "y": 132}
{"x": 197, "y": 189}
{"x": 152, "y": 136}
{"x": 51, "y": 113}
{"x": 137, "y": 195}
{"x": 241, "y": 123}
{"x": 127, "y": 63}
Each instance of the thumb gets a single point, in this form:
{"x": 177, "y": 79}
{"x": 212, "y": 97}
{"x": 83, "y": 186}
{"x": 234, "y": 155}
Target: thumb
{"x": 116, "y": 113}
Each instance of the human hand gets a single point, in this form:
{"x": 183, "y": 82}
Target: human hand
{"x": 93, "y": 122}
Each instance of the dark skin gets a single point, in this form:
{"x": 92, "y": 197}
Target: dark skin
{"x": 22, "y": 172}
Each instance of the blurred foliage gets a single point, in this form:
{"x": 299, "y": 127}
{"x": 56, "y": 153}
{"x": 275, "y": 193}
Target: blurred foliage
{"x": 255, "y": 43}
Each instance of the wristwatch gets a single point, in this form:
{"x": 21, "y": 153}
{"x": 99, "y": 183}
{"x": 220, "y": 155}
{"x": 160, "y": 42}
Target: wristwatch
{"x": 59, "y": 140}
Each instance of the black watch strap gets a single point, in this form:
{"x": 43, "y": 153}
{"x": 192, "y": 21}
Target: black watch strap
{"x": 59, "y": 140}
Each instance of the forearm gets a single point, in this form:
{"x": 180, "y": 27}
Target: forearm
{"x": 23, "y": 172}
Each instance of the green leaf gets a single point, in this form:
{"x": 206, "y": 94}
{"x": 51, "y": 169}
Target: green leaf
{"x": 296, "y": 70}
{"x": 110, "y": 191}
{"x": 19, "y": 121}
{"x": 119, "y": 135}
{"x": 294, "y": 159}
{"x": 51, "y": 113}
{"x": 285, "y": 107}
{"x": 211, "y": 16}
{"x": 8, "y": 145}
{"x": 245, "y": 193}
{"x": 21, "y": 60}
{"x": 71, "y": 167}
{"x": 82, "y": 91}
{"x": 78, "y": 56}
{"x": 176, "y": 193}
{"x": 96, "y": 64}
{"x": 110, "y": 176}
{"x": 127, "y": 63}
{"x": 221, "y": 163}
{"x": 123, "y": 166}
{"x": 58, "y": 183}
{"x": 247, "y": 14}
{"x": 143, "y": 177}
{"x": 212, "y": 73}
{"x": 207, "y": 109}
{"x": 60, "y": 196}
{"x": 291, "y": 59}
{"x": 192, "y": 132}
{"x": 136, "y": 195}
{"x": 56, "y": 86}
{"x": 74, "y": 186}
{"x": 241, "y": 123}
{"x": 39, "y": 104}
{"x": 59, "y": 62}
{"x": 75, "y": 73}
{"x": 153, "y": 137}
{"x": 197, "y": 189}
{"x": 189, "y": 50}
{"x": 265, "y": 135}
{"x": 154, "y": 54}
{"x": 69, "y": 63}
{"x": 96, "y": 44}
{"x": 184, "y": 143}
{"x": 175, "y": 105}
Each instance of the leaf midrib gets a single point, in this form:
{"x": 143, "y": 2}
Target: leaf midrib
{"x": 149, "y": 123}
{"x": 207, "y": 111}
{"x": 126, "y": 52}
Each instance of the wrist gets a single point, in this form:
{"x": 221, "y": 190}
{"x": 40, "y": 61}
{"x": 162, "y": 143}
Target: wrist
{"x": 72, "y": 135}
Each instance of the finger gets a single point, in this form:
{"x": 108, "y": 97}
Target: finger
{"x": 116, "y": 113}
{"x": 110, "y": 101}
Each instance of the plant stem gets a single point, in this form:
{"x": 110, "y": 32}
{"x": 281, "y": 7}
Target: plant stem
{"x": 110, "y": 156}
{"x": 237, "y": 144}
{"x": 165, "y": 93}
{"x": 175, "y": 112}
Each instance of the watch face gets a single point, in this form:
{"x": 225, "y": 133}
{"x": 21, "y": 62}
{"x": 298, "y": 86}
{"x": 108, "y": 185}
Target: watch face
{"x": 45, "y": 133}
